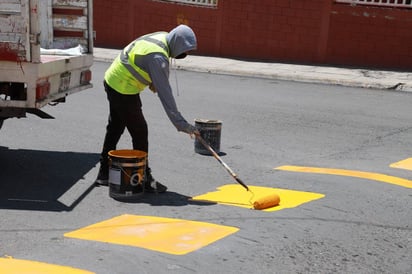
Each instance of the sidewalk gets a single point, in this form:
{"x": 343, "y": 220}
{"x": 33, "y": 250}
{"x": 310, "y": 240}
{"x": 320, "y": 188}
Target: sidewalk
{"x": 375, "y": 79}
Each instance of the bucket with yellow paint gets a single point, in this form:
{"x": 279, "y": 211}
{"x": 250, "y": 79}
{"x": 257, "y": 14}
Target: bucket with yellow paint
{"x": 210, "y": 131}
{"x": 126, "y": 173}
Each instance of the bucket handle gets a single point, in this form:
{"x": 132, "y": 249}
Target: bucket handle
{"x": 133, "y": 176}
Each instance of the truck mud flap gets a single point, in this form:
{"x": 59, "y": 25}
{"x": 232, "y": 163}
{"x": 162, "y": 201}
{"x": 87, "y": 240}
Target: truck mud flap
{"x": 21, "y": 113}
{"x": 39, "y": 113}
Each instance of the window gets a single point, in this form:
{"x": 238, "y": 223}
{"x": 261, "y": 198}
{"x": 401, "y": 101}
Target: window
{"x": 207, "y": 3}
{"x": 387, "y": 3}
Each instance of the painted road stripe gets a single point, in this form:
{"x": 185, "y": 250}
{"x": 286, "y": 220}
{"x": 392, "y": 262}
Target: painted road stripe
{"x": 404, "y": 164}
{"x": 351, "y": 173}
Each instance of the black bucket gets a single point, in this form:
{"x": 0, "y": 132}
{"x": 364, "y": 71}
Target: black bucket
{"x": 126, "y": 173}
{"x": 210, "y": 130}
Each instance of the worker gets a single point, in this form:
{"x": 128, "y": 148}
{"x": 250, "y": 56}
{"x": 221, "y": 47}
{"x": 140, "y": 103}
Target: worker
{"x": 143, "y": 63}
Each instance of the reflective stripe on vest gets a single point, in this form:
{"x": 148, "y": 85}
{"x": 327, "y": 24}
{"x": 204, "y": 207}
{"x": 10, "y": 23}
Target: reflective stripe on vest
{"x": 124, "y": 58}
{"x": 125, "y": 74}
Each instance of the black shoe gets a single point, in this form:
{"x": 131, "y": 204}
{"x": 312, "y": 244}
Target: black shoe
{"x": 154, "y": 186}
{"x": 151, "y": 185}
{"x": 102, "y": 178}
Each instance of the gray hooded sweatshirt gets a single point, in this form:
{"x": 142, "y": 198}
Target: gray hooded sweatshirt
{"x": 180, "y": 40}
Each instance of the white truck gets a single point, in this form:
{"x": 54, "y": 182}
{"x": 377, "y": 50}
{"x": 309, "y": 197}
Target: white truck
{"x": 46, "y": 51}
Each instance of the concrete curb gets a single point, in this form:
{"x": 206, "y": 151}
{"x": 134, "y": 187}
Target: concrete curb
{"x": 374, "y": 79}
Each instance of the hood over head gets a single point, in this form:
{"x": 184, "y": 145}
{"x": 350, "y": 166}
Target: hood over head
{"x": 181, "y": 40}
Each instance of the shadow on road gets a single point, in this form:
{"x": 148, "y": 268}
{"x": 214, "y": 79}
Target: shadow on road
{"x": 164, "y": 199}
{"x": 34, "y": 180}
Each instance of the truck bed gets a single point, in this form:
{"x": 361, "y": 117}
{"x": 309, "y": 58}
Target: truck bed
{"x": 30, "y": 79}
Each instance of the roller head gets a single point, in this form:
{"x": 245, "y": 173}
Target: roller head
{"x": 266, "y": 201}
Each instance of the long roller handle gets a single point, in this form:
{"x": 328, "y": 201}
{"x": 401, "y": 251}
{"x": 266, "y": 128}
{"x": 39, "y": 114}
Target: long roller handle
{"x": 217, "y": 157}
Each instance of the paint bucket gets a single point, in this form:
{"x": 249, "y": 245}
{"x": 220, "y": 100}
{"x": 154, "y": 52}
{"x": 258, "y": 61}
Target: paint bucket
{"x": 126, "y": 173}
{"x": 210, "y": 130}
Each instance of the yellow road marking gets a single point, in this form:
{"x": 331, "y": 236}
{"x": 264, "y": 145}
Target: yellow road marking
{"x": 16, "y": 266}
{"x": 173, "y": 236}
{"x": 404, "y": 164}
{"x": 352, "y": 173}
{"x": 236, "y": 195}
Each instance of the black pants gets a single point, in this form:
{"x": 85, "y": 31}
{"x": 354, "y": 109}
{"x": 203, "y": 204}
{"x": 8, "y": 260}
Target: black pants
{"x": 125, "y": 112}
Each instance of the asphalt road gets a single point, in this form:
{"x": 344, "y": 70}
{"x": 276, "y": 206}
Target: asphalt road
{"x": 359, "y": 226}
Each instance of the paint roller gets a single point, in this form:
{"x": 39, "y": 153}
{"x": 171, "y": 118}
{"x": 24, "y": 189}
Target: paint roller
{"x": 260, "y": 203}
{"x": 267, "y": 201}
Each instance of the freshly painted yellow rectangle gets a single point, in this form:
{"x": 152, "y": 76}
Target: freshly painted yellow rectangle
{"x": 173, "y": 236}
{"x": 16, "y": 266}
{"x": 236, "y": 195}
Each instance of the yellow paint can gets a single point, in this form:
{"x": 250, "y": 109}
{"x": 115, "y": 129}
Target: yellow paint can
{"x": 126, "y": 173}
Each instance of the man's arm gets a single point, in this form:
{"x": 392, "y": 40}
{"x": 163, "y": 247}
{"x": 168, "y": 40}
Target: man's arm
{"x": 158, "y": 69}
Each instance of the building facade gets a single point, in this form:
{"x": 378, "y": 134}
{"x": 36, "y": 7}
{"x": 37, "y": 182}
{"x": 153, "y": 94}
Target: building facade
{"x": 354, "y": 33}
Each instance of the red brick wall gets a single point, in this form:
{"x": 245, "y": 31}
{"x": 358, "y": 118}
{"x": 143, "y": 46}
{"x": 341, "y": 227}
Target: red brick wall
{"x": 118, "y": 22}
{"x": 280, "y": 30}
{"x": 299, "y": 31}
{"x": 371, "y": 36}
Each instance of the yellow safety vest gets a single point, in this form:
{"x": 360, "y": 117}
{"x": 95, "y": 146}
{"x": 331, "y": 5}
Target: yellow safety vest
{"x": 124, "y": 75}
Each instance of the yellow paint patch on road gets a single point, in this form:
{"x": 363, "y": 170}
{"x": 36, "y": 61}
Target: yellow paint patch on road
{"x": 236, "y": 195}
{"x": 351, "y": 173}
{"x": 173, "y": 236}
{"x": 404, "y": 164}
{"x": 16, "y": 266}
